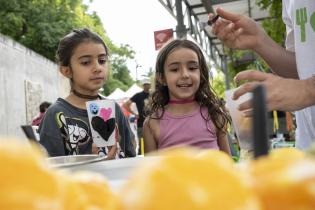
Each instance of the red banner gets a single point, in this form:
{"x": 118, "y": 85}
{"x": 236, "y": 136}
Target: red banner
{"x": 161, "y": 37}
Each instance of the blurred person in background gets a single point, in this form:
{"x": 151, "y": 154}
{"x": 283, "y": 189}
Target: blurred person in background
{"x": 140, "y": 99}
{"x": 42, "y": 110}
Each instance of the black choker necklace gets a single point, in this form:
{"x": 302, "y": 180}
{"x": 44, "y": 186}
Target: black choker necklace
{"x": 84, "y": 96}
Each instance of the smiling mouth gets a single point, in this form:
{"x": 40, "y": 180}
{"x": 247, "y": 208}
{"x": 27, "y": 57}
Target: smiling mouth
{"x": 184, "y": 85}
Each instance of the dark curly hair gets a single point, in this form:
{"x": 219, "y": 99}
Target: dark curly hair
{"x": 205, "y": 95}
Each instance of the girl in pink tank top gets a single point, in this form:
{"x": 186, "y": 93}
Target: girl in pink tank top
{"x": 184, "y": 110}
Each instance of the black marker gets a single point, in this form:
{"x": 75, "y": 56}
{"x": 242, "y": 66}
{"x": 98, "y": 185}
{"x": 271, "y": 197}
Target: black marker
{"x": 213, "y": 20}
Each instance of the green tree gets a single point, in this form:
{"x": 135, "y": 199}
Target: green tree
{"x": 218, "y": 84}
{"x": 119, "y": 67}
{"x": 274, "y": 26}
{"x": 39, "y": 24}
{"x": 111, "y": 84}
{"x": 40, "y": 31}
{"x": 149, "y": 75}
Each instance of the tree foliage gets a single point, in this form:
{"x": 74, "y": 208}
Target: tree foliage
{"x": 39, "y": 25}
{"x": 218, "y": 84}
{"x": 273, "y": 26}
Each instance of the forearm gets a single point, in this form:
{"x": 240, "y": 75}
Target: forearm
{"x": 298, "y": 94}
{"x": 224, "y": 144}
{"x": 309, "y": 96}
{"x": 127, "y": 106}
{"x": 130, "y": 110}
{"x": 281, "y": 61}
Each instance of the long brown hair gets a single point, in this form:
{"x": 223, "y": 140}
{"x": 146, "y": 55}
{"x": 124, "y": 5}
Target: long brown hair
{"x": 205, "y": 95}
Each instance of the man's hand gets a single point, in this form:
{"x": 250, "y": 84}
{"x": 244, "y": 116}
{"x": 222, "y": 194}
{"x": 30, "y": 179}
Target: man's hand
{"x": 282, "y": 94}
{"x": 237, "y": 31}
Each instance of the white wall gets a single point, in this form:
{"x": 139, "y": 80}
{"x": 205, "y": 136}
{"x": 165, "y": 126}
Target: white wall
{"x": 18, "y": 104}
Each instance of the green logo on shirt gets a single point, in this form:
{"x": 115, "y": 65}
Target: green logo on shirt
{"x": 301, "y": 20}
{"x": 313, "y": 21}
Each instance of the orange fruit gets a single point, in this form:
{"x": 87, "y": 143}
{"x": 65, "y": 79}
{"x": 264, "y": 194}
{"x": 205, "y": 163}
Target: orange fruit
{"x": 183, "y": 179}
{"x": 25, "y": 181}
{"x": 284, "y": 180}
{"x": 217, "y": 156}
{"x": 97, "y": 190}
{"x": 28, "y": 183}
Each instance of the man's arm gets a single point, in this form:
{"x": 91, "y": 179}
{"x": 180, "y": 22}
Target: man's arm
{"x": 127, "y": 106}
{"x": 281, "y": 61}
{"x": 241, "y": 32}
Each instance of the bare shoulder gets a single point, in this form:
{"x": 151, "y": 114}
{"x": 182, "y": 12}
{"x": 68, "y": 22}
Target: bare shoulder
{"x": 151, "y": 122}
{"x": 151, "y": 133}
{"x": 152, "y": 125}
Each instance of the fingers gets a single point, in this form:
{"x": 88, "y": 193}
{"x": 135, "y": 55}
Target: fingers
{"x": 225, "y": 30}
{"x": 212, "y": 19}
{"x": 245, "y": 88}
{"x": 228, "y": 16}
{"x": 219, "y": 25}
{"x": 238, "y": 32}
{"x": 210, "y": 15}
{"x": 251, "y": 75}
{"x": 246, "y": 108}
{"x": 227, "y": 33}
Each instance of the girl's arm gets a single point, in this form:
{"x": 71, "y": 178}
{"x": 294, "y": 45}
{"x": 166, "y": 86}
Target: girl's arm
{"x": 148, "y": 137}
{"x": 50, "y": 134}
{"x": 125, "y": 134}
{"x": 223, "y": 143}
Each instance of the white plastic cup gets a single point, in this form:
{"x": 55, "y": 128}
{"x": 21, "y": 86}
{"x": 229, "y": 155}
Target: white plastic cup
{"x": 242, "y": 125}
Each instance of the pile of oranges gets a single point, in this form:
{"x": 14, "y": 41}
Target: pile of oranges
{"x": 174, "y": 179}
{"x": 28, "y": 183}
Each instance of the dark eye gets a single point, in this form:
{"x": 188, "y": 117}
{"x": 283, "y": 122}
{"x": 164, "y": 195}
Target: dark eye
{"x": 193, "y": 67}
{"x": 173, "y": 70}
{"x": 102, "y": 61}
{"x": 85, "y": 63}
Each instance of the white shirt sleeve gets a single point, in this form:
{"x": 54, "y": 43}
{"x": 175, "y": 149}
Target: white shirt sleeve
{"x": 287, "y": 19}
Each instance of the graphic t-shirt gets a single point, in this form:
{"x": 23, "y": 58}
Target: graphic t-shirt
{"x": 65, "y": 130}
{"x": 299, "y": 17}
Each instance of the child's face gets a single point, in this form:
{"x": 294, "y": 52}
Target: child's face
{"x": 89, "y": 67}
{"x": 182, "y": 74}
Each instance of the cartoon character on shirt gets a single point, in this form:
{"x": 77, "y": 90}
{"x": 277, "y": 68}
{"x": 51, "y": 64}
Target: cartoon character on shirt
{"x": 74, "y": 131}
